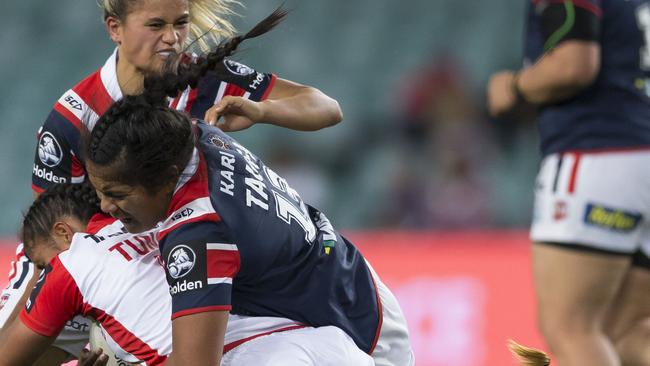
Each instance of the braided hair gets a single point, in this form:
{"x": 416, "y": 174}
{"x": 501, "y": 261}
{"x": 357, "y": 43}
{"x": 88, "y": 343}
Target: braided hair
{"x": 60, "y": 200}
{"x": 140, "y": 139}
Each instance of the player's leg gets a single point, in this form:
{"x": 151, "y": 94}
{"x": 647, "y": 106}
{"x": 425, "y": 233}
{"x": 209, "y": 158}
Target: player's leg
{"x": 323, "y": 346}
{"x": 574, "y": 292}
{"x": 629, "y": 318}
{"x": 588, "y": 212}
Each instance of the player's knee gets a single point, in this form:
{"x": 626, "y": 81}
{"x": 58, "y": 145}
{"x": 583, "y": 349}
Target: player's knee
{"x": 562, "y": 326}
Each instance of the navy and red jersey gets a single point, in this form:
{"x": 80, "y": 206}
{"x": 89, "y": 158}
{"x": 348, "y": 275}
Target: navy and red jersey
{"x": 613, "y": 112}
{"x": 57, "y": 157}
{"x": 238, "y": 238}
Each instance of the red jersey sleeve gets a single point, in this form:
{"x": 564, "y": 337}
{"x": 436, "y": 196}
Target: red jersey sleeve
{"x": 54, "y": 300}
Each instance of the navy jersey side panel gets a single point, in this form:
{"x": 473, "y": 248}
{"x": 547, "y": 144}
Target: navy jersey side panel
{"x": 293, "y": 263}
{"x": 613, "y": 112}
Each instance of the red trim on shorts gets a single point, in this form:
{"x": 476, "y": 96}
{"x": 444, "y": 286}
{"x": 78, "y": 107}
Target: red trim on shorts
{"x": 269, "y": 88}
{"x": 607, "y": 150}
{"x": 204, "y": 309}
{"x": 230, "y": 346}
{"x": 574, "y": 172}
{"x": 381, "y": 313}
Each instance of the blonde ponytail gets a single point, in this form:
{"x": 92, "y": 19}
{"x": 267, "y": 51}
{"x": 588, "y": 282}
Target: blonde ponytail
{"x": 528, "y": 356}
{"x": 209, "y": 23}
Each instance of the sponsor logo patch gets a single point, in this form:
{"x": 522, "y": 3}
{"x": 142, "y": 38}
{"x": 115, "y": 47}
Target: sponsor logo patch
{"x": 76, "y": 325}
{"x": 218, "y": 142}
{"x": 611, "y": 218}
{"x": 560, "y": 211}
{"x": 180, "y": 261}
{"x": 48, "y": 175}
{"x": 187, "y": 212}
{"x": 185, "y": 286}
{"x": 237, "y": 68}
{"x": 49, "y": 150}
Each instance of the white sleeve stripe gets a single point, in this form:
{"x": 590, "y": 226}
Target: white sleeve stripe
{"x": 221, "y": 246}
{"x": 182, "y": 101}
{"x": 220, "y": 93}
{"x": 219, "y": 280}
{"x": 247, "y": 95}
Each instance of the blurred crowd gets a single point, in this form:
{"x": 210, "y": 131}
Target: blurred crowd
{"x": 416, "y": 149}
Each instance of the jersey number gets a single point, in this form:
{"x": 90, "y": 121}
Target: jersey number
{"x": 292, "y": 208}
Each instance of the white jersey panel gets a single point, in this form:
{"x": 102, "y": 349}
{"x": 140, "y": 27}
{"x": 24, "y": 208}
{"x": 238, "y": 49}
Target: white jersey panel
{"x": 118, "y": 276}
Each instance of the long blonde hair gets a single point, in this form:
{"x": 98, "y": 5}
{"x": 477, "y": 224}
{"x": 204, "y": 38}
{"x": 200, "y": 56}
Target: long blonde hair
{"x": 528, "y": 356}
{"x": 209, "y": 23}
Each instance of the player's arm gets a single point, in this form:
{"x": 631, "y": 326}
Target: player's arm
{"x": 22, "y": 346}
{"x": 299, "y": 107}
{"x": 198, "y": 339}
{"x": 54, "y": 300}
{"x": 57, "y": 152}
{"x": 200, "y": 264}
{"x": 54, "y": 356}
{"x": 272, "y": 100}
{"x": 571, "y": 61}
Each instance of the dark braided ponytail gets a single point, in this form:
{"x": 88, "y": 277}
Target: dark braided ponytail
{"x": 139, "y": 139}
{"x": 60, "y": 200}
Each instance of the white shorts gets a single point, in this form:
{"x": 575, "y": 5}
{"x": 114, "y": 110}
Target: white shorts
{"x": 393, "y": 346}
{"x": 595, "y": 200}
{"x": 323, "y": 346}
{"x": 72, "y": 339}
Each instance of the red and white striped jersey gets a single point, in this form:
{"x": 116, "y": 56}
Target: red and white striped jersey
{"x": 57, "y": 153}
{"x": 117, "y": 279}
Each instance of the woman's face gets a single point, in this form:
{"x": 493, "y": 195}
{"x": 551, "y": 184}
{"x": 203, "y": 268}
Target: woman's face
{"x": 40, "y": 250}
{"x": 138, "y": 209}
{"x": 151, "y": 32}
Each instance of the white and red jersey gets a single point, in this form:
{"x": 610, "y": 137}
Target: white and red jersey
{"x": 57, "y": 153}
{"x": 117, "y": 279}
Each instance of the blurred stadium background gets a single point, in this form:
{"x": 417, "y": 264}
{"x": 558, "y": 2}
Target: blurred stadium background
{"x": 437, "y": 195}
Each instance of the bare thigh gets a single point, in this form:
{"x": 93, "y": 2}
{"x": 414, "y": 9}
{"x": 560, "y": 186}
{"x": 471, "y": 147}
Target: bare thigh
{"x": 575, "y": 289}
{"x": 632, "y": 303}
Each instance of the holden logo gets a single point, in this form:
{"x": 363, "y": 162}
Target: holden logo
{"x": 237, "y": 68}
{"x": 49, "y": 150}
{"x": 180, "y": 261}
